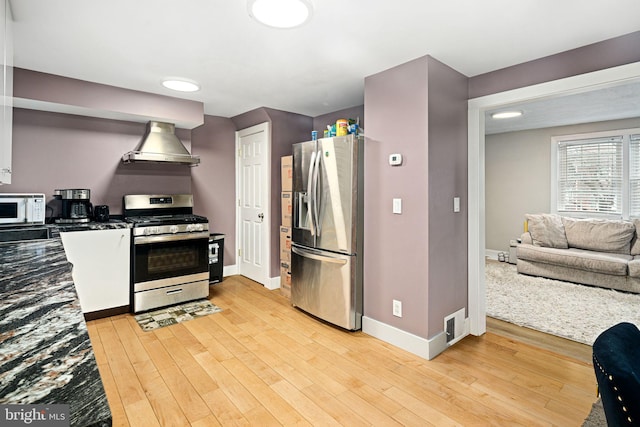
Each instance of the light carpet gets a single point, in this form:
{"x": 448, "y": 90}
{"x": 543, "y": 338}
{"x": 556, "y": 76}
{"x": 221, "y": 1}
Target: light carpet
{"x": 175, "y": 314}
{"x": 577, "y": 312}
{"x": 596, "y": 417}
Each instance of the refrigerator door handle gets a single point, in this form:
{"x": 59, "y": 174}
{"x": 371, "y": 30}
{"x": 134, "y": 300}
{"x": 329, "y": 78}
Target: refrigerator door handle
{"x": 310, "y": 194}
{"x": 316, "y": 203}
{"x": 316, "y": 256}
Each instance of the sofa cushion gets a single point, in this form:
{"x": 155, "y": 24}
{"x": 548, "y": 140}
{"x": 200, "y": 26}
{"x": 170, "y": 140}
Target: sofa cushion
{"x": 635, "y": 242}
{"x": 634, "y": 267}
{"x": 600, "y": 262}
{"x": 547, "y": 230}
{"x": 599, "y": 234}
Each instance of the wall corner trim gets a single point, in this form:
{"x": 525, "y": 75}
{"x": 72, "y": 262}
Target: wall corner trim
{"x": 425, "y": 348}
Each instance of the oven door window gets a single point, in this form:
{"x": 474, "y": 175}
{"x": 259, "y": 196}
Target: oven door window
{"x": 161, "y": 260}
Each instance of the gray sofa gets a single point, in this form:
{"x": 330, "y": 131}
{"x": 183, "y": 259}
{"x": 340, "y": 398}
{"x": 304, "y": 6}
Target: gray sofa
{"x": 598, "y": 252}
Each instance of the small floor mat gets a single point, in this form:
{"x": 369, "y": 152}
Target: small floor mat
{"x": 175, "y": 314}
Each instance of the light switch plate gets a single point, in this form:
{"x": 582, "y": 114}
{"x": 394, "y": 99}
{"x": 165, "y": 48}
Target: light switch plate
{"x": 456, "y": 204}
{"x": 397, "y": 206}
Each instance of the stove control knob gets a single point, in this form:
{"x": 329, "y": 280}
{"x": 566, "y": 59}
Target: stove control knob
{"x": 147, "y": 231}
{"x": 173, "y": 229}
{"x": 199, "y": 227}
{"x": 190, "y": 227}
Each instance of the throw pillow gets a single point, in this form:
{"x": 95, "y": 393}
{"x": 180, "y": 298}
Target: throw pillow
{"x": 547, "y": 230}
{"x": 602, "y": 235}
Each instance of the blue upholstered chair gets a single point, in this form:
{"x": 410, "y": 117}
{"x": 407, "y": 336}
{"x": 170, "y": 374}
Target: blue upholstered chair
{"x": 616, "y": 360}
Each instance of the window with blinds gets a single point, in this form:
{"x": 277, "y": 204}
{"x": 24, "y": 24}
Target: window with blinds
{"x": 590, "y": 176}
{"x": 634, "y": 175}
{"x": 597, "y": 174}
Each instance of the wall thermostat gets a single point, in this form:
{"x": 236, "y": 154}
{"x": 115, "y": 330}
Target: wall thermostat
{"x": 395, "y": 159}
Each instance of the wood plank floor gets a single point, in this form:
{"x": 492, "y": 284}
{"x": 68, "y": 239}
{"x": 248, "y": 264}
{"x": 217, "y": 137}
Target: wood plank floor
{"x": 262, "y": 362}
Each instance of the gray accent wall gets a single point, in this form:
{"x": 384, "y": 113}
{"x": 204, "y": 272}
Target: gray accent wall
{"x": 417, "y": 109}
{"x": 518, "y": 171}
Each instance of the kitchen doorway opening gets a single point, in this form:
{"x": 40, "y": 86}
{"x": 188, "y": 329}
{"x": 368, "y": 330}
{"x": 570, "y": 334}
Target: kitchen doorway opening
{"x": 253, "y": 194}
{"x": 476, "y": 165}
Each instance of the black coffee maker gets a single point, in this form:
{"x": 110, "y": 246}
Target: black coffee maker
{"x": 75, "y": 206}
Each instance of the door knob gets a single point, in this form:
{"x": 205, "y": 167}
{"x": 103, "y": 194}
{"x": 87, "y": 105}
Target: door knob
{"x": 261, "y": 216}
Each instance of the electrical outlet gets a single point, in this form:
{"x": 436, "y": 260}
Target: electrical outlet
{"x": 397, "y": 308}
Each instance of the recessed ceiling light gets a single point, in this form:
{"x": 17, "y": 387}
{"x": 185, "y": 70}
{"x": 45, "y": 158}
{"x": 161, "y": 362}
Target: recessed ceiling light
{"x": 280, "y": 13}
{"x": 506, "y": 114}
{"x": 181, "y": 85}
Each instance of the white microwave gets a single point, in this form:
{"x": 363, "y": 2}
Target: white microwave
{"x": 22, "y": 209}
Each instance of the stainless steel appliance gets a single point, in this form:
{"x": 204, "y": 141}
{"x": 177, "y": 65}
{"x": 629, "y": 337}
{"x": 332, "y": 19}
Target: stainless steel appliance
{"x": 75, "y": 206}
{"x": 326, "y": 249}
{"x": 170, "y": 250}
{"x": 22, "y": 209}
{"x": 161, "y": 145}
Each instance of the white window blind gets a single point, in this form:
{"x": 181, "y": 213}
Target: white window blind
{"x": 590, "y": 176}
{"x": 634, "y": 175}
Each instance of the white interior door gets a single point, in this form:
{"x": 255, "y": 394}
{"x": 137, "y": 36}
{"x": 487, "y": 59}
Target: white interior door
{"x": 253, "y": 190}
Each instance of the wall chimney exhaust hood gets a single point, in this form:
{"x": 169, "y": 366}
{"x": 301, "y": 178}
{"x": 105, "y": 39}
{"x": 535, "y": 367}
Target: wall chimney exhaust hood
{"x": 160, "y": 144}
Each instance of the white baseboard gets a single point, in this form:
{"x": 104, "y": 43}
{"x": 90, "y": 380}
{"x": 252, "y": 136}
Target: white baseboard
{"x": 229, "y": 270}
{"x": 273, "y": 283}
{"x": 491, "y": 254}
{"x": 425, "y": 348}
{"x": 232, "y": 270}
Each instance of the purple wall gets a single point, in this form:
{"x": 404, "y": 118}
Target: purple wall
{"x": 286, "y": 129}
{"x": 33, "y": 85}
{"x": 213, "y": 182}
{"x": 53, "y": 150}
{"x": 447, "y": 121}
{"x": 598, "y": 56}
{"x": 320, "y": 123}
{"x": 419, "y": 110}
{"x": 396, "y": 247}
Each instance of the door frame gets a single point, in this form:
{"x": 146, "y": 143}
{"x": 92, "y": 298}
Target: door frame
{"x": 476, "y": 165}
{"x": 266, "y": 177}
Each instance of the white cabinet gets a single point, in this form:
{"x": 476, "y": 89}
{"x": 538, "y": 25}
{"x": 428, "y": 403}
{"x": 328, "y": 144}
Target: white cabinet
{"x": 6, "y": 88}
{"x": 100, "y": 261}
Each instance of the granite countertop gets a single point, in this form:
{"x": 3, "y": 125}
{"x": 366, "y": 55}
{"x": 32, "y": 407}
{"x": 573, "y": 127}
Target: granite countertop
{"x": 45, "y": 352}
{"x": 112, "y": 224}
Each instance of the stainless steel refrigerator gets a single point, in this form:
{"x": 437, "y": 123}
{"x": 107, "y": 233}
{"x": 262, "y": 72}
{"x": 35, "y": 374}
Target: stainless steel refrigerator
{"x": 327, "y": 223}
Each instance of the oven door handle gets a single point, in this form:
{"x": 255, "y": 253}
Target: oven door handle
{"x": 141, "y": 240}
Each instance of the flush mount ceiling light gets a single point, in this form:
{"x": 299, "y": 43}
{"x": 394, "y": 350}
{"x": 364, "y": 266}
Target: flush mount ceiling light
{"x": 280, "y": 13}
{"x": 181, "y": 85}
{"x": 506, "y": 114}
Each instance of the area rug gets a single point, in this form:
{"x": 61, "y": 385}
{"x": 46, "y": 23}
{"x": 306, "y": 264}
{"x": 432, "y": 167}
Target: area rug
{"x": 577, "y": 312}
{"x": 596, "y": 417}
{"x": 175, "y": 314}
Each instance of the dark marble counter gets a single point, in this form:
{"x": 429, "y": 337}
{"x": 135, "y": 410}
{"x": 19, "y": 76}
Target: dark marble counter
{"x": 45, "y": 352}
{"x": 112, "y": 224}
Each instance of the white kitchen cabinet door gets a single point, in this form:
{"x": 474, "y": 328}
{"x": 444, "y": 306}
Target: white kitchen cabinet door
{"x": 100, "y": 261}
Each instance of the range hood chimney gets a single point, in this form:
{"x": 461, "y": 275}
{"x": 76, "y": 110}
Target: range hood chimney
{"x": 160, "y": 144}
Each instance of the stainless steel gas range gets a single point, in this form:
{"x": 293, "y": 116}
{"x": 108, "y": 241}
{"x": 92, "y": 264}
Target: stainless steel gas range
{"x": 170, "y": 250}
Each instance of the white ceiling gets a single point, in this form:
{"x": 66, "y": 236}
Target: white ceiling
{"x": 621, "y": 101}
{"x": 315, "y": 69}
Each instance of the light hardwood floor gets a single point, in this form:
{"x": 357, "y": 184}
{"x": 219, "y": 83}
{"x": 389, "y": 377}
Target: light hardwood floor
{"x": 262, "y": 362}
